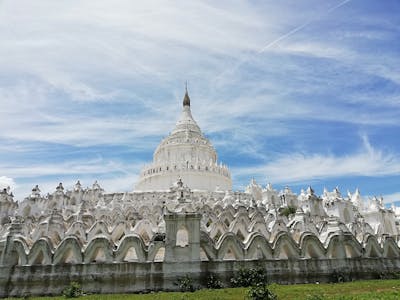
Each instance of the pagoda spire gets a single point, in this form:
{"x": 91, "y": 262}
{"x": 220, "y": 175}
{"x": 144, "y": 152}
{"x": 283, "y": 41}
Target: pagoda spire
{"x": 186, "y": 99}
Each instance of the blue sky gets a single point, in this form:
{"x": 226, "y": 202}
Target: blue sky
{"x": 289, "y": 92}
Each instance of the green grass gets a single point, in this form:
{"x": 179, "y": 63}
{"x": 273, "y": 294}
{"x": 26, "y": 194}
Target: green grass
{"x": 358, "y": 290}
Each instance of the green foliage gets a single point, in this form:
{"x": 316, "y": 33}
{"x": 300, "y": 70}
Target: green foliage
{"x": 289, "y": 210}
{"x": 26, "y": 296}
{"x": 186, "y": 284}
{"x": 74, "y": 290}
{"x": 338, "y": 277}
{"x": 387, "y": 275}
{"x": 260, "y": 292}
{"x": 213, "y": 282}
{"x": 256, "y": 279}
{"x": 249, "y": 277}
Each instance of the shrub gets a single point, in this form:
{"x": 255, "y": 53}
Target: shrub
{"x": 289, "y": 210}
{"x": 213, "y": 282}
{"x": 395, "y": 275}
{"x": 260, "y": 292}
{"x": 249, "y": 277}
{"x": 186, "y": 284}
{"x": 74, "y": 290}
{"x": 387, "y": 275}
{"x": 337, "y": 277}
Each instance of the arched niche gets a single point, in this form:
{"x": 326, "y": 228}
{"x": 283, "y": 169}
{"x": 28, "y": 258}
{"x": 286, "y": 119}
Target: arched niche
{"x": 182, "y": 237}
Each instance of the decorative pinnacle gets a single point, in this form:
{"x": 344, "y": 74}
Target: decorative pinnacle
{"x": 186, "y": 99}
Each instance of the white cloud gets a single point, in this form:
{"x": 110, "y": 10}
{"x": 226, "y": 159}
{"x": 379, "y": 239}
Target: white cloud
{"x": 390, "y": 198}
{"x": 81, "y": 48}
{"x": 120, "y": 183}
{"x": 61, "y": 62}
{"x": 70, "y": 167}
{"x": 299, "y": 167}
{"x": 113, "y": 176}
{"x": 317, "y": 49}
{"x": 110, "y": 183}
{"x": 7, "y": 182}
{"x": 73, "y": 41}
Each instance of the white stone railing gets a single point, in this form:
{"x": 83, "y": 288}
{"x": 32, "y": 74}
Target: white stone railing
{"x": 151, "y": 170}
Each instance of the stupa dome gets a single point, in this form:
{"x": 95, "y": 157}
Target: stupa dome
{"x": 188, "y": 154}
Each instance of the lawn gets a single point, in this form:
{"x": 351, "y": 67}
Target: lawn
{"x": 358, "y": 290}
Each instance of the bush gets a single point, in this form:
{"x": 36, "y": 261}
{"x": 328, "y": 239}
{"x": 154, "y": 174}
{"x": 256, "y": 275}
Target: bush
{"x": 260, "y": 292}
{"x": 337, "y": 277}
{"x": 186, "y": 284}
{"x": 74, "y": 290}
{"x": 249, "y": 277}
{"x": 289, "y": 210}
{"x": 395, "y": 275}
{"x": 213, "y": 282}
{"x": 387, "y": 275}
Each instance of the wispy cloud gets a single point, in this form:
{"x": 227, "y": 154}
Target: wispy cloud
{"x": 114, "y": 176}
{"x": 7, "y": 182}
{"x": 299, "y": 167}
{"x": 390, "y": 198}
{"x": 83, "y": 167}
{"x": 300, "y": 27}
{"x": 264, "y": 77}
